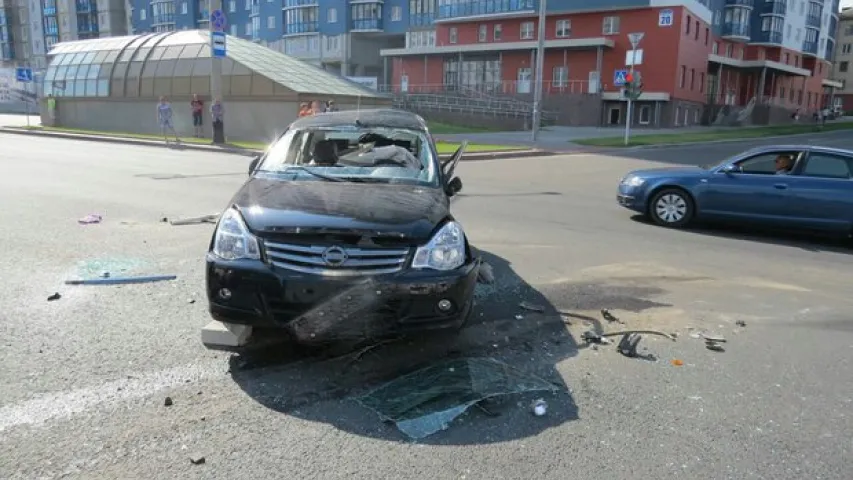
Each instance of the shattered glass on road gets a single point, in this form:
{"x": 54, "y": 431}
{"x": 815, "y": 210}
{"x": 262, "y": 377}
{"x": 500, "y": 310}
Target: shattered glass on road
{"x": 427, "y": 400}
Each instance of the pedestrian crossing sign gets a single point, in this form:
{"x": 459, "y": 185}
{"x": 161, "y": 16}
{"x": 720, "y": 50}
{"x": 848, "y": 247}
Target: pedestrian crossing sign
{"x": 619, "y": 77}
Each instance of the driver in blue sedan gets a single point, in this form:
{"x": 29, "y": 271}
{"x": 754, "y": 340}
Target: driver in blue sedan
{"x": 784, "y": 164}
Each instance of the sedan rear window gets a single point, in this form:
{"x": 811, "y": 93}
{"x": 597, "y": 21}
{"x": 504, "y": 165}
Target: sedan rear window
{"x": 375, "y": 154}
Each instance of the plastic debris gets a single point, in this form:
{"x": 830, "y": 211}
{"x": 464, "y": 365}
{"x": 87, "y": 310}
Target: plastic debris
{"x": 121, "y": 280}
{"x": 55, "y": 296}
{"x": 212, "y": 218}
{"x": 628, "y": 345}
{"x": 740, "y": 323}
{"x": 168, "y": 402}
{"x": 197, "y": 459}
{"x": 605, "y": 313}
{"x": 531, "y": 307}
{"x": 90, "y": 219}
{"x": 678, "y": 363}
{"x": 540, "y": 407}
{"x": 715, "y": 347}
{"x": 427, "y": 400}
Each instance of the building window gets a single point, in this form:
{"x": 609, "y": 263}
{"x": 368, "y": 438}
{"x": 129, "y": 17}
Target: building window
{"x": 248, "y": 29}
{"x": 396, "y": 14}
{"x": 716, "y": 48}
{"x": 843, "y": 66}
{"x": 707, "y": 35}
{"x": 560, "y": 76}
{"x": 233, "y": 30}
{"x": 788, "y": 32}
{"x": 799, "y": 35}
{"x": 497, "y": 32}
{"x": 845, "y": 49}
{"x": 526, "y": 31}
{"x": 332, "y": 15}
{"x": 677, "y": 113}
{"x": 718, "y": 15}
{"x": 692, "y": 78}
{"x": 143, "y": 14}
{"x": 271, "y": 22}
{"x": 787, "y": 58}
{"x": 702, "y": 82}
{"x": 184, "y": 8}
{"x": 682, "y": 76}
{"x": 232, "y": 6}
{"x": 424, "y": 38}
{"x": 665, "y": 18}
{"x": 453, "y": 35}
{"x": 645, "y": 115}
{"x": 564, "y": 28}
{"x": 687, "y": 25}
{"x": 729, "y": 48}
{"x": 610, "y": 26}
{"x": 482, "y": 33}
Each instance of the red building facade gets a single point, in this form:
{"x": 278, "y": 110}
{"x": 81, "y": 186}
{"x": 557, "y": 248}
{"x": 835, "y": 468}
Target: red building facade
{"x": 689, "y": 75}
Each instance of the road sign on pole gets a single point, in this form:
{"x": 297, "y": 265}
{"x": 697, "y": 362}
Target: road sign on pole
{"x": 635, "y": 38}
{"x": 24, "y": 74}
{"x": 217, "y": 43}
{"x": 218, "y": 22}
{"x": 619, "y": 77}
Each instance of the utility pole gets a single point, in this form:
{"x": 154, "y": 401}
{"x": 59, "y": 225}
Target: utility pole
{"x": 540, "y": 67}
{"x": 216, "y": 23}
{"x": 630, "y": 92}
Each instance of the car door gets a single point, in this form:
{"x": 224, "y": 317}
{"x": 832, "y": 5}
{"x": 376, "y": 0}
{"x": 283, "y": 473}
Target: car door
{"x": 753, "y": 192}
{"x": 822, "y": 192}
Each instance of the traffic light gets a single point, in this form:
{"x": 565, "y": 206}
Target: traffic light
{"x": 633, "y": 85}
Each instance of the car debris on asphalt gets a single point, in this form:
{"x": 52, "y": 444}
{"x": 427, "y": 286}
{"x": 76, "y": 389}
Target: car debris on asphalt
{"x": 120, "y": 280}
{"x": 55, "y": 296}
{"x": 168, "y": 402}
{"x": 540, "y": 407}
{"x": 740, "y": 323}
{"x": 197, "y": 459}
{"x": 605, "y": 313}
{"x": 628, "y": 345}
{"x": 90, "y": 219}
{"x": 212, "y": 218}
{"x": 424, "y": 402}
{"x": 486, "y": 274}
{"x": 532, "y": 307}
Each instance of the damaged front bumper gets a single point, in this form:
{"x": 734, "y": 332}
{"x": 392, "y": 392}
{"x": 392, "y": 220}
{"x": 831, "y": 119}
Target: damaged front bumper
{"x": 315, "y": 308}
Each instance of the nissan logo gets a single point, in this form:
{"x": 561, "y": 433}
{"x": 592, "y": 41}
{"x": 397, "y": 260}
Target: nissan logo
{"x": 335, "y": 256}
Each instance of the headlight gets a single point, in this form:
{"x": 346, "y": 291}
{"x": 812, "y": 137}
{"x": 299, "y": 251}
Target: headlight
{"x": 232, "y": 239}
{"x": 633, "y": 181}
{"x": 445, "y": 251}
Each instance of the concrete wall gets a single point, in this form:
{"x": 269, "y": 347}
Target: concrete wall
{"x": 254, "y": 120}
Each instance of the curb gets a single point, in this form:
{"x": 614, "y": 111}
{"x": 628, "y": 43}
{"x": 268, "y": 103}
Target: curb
{"x": 474, "y": 156}
{"x": 711, "y": 142}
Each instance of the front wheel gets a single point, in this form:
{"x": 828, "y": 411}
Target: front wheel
{"x": 671, "y": 207}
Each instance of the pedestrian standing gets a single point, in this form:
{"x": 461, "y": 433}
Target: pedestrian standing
{"x": 217, "y": 115}
{"x": 304, "y": 109}
{"x": 164, "y": 119}
{"x": 197, "y": 106}
{"x": 316, "y": 107}
{"x": 331, "y": 107}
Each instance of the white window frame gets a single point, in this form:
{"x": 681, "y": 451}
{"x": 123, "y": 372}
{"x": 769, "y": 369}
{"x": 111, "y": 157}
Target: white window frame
{"x": 332, "y": 15}
{"x": 560, "y": 76}
{"x": 665, "y": 18}
{"x": 497, "y": 32}
{"x": 563, "y": 28}
{"x": 526, "y": 31}
{"x": 232, "y": 6}
{"x": 396, "y": 13}
{"x": 610, "y": 25}
{"x": 453, "y": 35}
{"x": 271, "y": 22}
{"x": 248, "y": 4}
{"x": 143, "y": 14}
{"x": 234, "y": 31}
{"x": 482, "y": 33}
{"x": 249, "y": 29}
{"x": 648, "y": 110}
{"x": 184, "y": 8}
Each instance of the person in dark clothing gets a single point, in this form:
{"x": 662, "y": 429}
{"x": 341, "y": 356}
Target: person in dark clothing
{"x": 198, "y": 114}
{"x": 217, "y": 113}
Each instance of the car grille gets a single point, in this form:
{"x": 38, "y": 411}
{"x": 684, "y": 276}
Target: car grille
{"x": 358, "y": 261}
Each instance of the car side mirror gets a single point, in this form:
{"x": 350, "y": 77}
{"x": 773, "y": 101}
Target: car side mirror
{"x": 454, "y": 186}
{"x": 729, "y": 169}
{"x": 254, "y": 164}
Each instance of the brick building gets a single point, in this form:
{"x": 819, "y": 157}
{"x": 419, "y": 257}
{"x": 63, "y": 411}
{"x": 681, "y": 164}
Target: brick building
{"x": 700, "y": 61}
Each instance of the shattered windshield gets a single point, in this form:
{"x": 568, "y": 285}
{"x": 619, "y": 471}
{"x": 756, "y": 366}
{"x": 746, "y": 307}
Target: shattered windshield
{"x": 353, "y": 153}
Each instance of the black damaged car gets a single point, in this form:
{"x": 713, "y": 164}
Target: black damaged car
{"x": 343, "y": 230}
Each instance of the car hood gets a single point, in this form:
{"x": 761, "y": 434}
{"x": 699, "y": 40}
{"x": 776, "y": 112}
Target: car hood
{"x": 305, "y": 207}
{"x": 651, "y": 173}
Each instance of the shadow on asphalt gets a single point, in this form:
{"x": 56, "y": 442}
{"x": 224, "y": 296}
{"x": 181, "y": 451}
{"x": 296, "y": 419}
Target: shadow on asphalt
{"x": 523, "y": 194}
{"x": 178, "y": 176}
{"x": 812, "y": 242}
{"x": 320, "y": 385}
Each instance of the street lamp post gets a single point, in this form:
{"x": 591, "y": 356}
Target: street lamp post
{"x": 215, "y": 65}
{"x": 540, "y": 66}
{"x": 635, "y": 39}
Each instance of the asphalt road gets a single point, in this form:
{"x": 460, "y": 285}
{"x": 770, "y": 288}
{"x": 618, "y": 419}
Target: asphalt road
{"x": 85, "y": 376}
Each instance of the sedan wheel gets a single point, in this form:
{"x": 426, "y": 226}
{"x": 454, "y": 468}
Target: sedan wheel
{"x": 671, "y": 208}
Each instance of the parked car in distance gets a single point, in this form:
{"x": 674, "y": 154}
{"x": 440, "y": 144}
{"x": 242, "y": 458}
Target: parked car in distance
{"x": 795, "y": 187}
{"x": 343, "y": 229}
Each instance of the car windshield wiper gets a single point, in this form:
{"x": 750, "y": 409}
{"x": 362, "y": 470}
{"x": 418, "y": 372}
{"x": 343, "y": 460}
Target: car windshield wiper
{"x": 366, "y": 179}
{"x": 311, "y": 172}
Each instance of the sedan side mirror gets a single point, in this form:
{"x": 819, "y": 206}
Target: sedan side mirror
{"x": 254, "y": 164}
{"x": 729, "y": 169}
{"x": 454, "y": 186}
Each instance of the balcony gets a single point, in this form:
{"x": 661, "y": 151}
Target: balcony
{"x": 421, "y": 19}
{"x": 302, "y": 28}
{"x": 810, "y": 48}
{"x": 49, "y": 11}
{"x": 51, "y": 30}
{"x": 738, "y": 30}
{"x": 162, "y": 19}
{"x": 366, "y": 24}
{"x": 769, "y": 37}
{"x": 776, "y": 7}
{"x": 256, "y": 10}
{"x": 87, "y": 28}
{"x": 473, "y": 8}
{"x": 289, "y": 4}
{"x": 740, "y": 3}
{"x": 7, "y": 51}
{"x": 813, "y": 21}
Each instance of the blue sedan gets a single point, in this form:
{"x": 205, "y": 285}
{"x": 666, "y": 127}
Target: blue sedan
{"x": 797, "y": 187}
